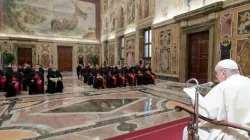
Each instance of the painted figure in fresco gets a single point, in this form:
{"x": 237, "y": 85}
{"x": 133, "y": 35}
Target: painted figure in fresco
{"x": 145, "y": 8}
{"x": 130, "y": 59}
{"x": 121, "y": 18}
{"x": 244, "y": 55}
{"x": 111, "y": 2}
{"x": 131, "y": 11}
{"x": 187, "y": 4}
{"x": 71, "y": 23}
{"x": 113, "y": 22}
{"x": 244, "y": 22}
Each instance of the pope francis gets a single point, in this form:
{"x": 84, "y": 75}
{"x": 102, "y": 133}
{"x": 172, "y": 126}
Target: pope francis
{"x": 229, "y": 101}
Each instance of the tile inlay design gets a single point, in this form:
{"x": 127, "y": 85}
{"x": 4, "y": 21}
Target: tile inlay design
{"x": 88, "y": 113}
{"x": 127, "y": 126}
{"x": 95, "y": 105}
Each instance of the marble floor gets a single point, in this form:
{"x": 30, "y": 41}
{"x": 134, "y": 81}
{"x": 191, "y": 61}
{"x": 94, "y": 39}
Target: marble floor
{"x": 81, "y": 112}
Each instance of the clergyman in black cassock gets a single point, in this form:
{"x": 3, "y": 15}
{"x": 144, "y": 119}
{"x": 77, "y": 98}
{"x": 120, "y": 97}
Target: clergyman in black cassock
{"x": 36, "y": 84}
{"x": 14, "y": 82}
{"x": 55, "y": 83}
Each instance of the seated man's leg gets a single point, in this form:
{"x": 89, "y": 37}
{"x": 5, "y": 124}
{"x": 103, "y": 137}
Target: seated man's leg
{"x": 11, "y": 91}
{"x": 59, "y": 86}
{"x": 32, "y": 88}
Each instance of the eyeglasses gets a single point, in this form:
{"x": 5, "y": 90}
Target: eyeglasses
{"x": 218, "y": 71}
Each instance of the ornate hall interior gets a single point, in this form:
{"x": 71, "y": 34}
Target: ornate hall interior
{"x": 178, "y": 39}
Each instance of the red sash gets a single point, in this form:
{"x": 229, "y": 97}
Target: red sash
{"x": 103, "y": 83}
{"x": 114, "y": 78}
{"x": 14, "y": 79}
{"x": 123, "y": 80}
{"x": 17, "y": 87}
{"x": 39, "y": 84}
{"x": 148, "y": 72}
{"x": 153, "y": 78}
{"x": 3, "y": 82}
{"x": 132, "y": 77}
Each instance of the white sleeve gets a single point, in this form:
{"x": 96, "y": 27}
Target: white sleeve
{"x": 212, "y": 103}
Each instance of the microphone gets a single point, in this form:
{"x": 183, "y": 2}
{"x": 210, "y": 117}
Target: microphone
{"x": 208, "y": 84}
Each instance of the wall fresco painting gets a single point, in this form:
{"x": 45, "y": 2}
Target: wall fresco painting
{"x": 143, "y": 8}
{"x": 60, "y": 18}
{"x": 243, "y": 26}
{"x": 243, "y": 55}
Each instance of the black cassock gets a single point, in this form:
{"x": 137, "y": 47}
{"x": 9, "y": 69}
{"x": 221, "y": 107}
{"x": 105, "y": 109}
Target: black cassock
{"x": 110, "y": 80}
{"x": 121, "y": 80}
{"x": 36, "y": 83}
{"x": 149, "y": 77}
{"x": 131, "y": 77}
{"x": 26, "y": 80}
{"x": 99, "y": 81}
{"x": 54, "y": 86}
{"x": 14, "y": 81}
{"x": 140, "y": 76}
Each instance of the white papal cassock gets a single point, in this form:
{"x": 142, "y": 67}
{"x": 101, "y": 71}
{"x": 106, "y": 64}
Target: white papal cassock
{"x": 229, "y": 101}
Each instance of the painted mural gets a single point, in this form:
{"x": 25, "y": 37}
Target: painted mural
{"x": 234, "y": 42}
{"x": 143, "y": 8}
{"x": 112, "y": 22}
{"x": 63, "y": 18}
{"x": 243, "y": 22}
{"x": 120, "y": 18}
{"x": 131, "y": 11}
{"x": 166, "y": 9}
{"x": 243, "y": 55}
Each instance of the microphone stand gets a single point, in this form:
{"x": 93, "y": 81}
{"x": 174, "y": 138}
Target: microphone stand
{"x": 194, "y": 126}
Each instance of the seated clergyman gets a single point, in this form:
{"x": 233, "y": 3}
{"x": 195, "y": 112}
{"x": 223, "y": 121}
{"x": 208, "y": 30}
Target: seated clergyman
{"x": 55, "y": 83}
{"x": 228, "y": 101}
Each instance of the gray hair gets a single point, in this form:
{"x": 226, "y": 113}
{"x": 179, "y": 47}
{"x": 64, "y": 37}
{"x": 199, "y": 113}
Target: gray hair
{"x": 231, "y": 72}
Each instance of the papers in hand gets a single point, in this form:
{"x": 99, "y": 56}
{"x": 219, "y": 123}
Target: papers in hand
{"x": 191, "y": 93}
{"x": 54, "y": 79}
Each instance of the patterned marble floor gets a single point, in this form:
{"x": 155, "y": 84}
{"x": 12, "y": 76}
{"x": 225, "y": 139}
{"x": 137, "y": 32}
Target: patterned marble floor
{"x": 82, "y": 112}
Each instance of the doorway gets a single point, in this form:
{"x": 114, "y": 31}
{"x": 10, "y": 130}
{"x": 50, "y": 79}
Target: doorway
{"x": 198, "y": 44}
{"x": 64, "y": 58}
{"x": 24, "y": 56}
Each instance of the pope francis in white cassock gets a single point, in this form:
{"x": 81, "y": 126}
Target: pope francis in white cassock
{"x": 229, "y": 101}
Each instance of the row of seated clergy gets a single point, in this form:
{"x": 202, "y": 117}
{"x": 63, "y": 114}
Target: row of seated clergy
{"x": 13, "y": 80}
{"x": 55, "y": 83}
{"x": 97, "y": 77}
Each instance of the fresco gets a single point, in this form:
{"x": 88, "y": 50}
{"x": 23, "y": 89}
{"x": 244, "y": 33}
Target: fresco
{"x": 166, "y": 9}
{"x": 131, "y": 11}
{"x": 143, "y": 8}
{"x": 61, "y": 18}
{"x": 243, "y": 22}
